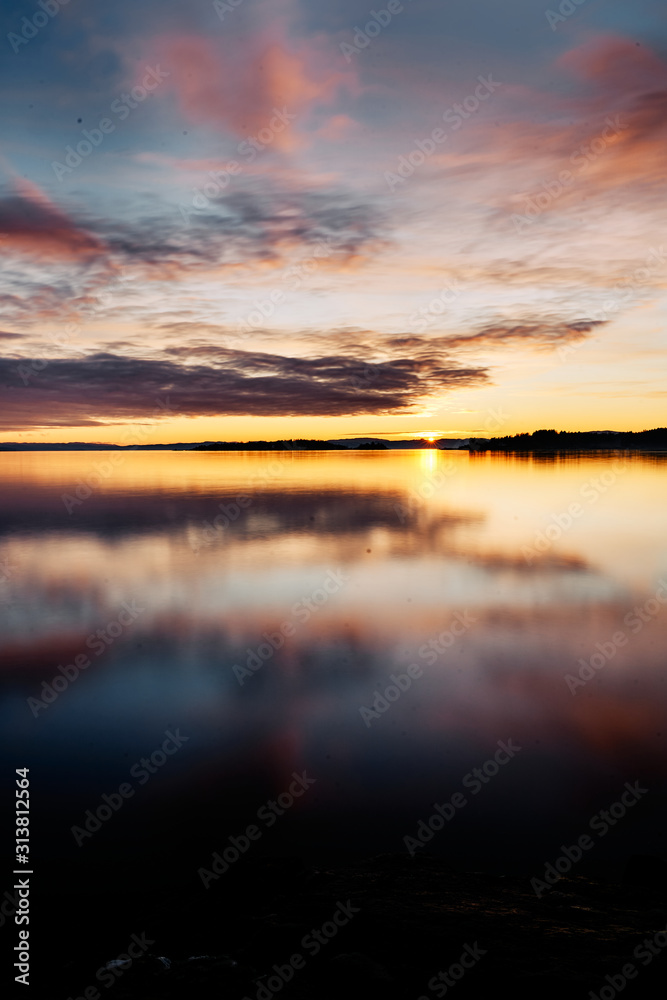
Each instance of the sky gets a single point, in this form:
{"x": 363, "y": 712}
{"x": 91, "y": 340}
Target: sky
{"x": 267, "y": 219}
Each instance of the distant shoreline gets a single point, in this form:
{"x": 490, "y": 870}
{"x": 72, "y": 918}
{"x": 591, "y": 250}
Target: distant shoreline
{"x": 45, "y": 450}
{"x": 539, "y": 442}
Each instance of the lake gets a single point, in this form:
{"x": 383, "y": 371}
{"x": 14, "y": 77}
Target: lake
{"x": 307, "y": 653}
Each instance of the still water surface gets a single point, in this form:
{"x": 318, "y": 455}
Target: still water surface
{"x": 268, "y": 639}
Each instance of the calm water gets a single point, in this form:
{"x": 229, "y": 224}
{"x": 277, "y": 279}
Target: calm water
{"x": 352, "y": 564}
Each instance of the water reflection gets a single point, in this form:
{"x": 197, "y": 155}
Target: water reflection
{"x": 413, "y": 539}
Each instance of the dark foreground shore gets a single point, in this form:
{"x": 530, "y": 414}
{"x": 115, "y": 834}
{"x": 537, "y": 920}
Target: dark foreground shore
{"x": 390, "y": 927}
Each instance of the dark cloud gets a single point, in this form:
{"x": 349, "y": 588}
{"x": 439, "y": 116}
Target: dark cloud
{"x": 250, "y": 225}
{"x": 245, "y": 225}
{"x": 546, "y": 333}
{"x": 30, "y": 223}
{"x": 109, "y": 387}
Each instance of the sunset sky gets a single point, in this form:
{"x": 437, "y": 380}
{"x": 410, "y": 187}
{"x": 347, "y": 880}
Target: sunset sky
{"x": 260, "y": 219}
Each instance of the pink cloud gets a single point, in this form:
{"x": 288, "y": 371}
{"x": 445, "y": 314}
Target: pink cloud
{"x": 616, "y": 64}
{"x": 608, "y": 130}
{"x": 240, "y": 89}
{"x": 338, "y": 127}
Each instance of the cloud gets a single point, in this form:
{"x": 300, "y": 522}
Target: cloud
{"x": 259, "y": 219}
{"x": 626, "y": 79}
{"x": 33, "y": 225}
{"x": 238, "y": 87}
{"x": 263, "y": 221}
{"x": 540, "y": 333}
{"x": 604, "y": 121}
{"x": 615, "y": 65}
{"x": 68, "y": 268}
{"x": 108, "y": 387}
